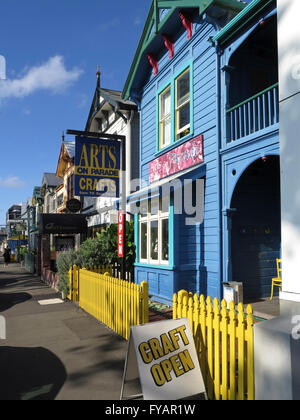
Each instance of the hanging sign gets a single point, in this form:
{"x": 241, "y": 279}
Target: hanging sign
{"x": 163, "y": 356}
{"x": 97, "y": 167}
{"x": 73, "y": 205}
{"x": 121, "y": 221}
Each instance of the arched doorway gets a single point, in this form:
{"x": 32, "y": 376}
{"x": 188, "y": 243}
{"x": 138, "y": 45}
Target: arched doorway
{"x": 256, "y": 227}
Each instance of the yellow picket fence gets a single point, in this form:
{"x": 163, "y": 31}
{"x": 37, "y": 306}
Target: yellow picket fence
{"x": 74, "y": 279}
{"x": 116, "y": 303}
{"x": 224, "y": 341}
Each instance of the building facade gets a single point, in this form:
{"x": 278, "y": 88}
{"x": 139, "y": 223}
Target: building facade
{"x": 110, "y": 114}
{"x": 13, "y": 216}
{"x": 50, "y": 184}
{"x": 249, "y": 153}
{"x": 205, "y": 79}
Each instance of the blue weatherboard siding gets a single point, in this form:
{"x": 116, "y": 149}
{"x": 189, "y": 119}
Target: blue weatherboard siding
{"x": 201, "y": 255}
{"x": 194, "y": 248}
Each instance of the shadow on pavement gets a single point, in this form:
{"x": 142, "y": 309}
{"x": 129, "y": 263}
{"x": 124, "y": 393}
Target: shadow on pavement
{"x": 30, "y": 374}
{"x": 8, "y": 300}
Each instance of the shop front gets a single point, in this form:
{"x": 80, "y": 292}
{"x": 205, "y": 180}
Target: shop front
{"x": 204, "y": 79}
{"x": 168, "y": 216}
{"x": 64, "y": 230}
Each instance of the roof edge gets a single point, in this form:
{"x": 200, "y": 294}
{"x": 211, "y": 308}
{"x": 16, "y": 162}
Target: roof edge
{"x": 253, "y": 8}
{"x": 152, "y": 18}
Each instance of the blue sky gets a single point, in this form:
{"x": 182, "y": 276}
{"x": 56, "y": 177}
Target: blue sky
{"x": 52, "y": 49}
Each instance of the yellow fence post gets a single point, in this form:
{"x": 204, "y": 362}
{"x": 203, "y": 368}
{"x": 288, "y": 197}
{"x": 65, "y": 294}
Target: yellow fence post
{"x": 175, "y": 306}
{"x": 196, "y": 322}
{"x": 224, "y": 335}
{"x": 70, "y": 284}
{"x": 217, "y": 355}
{"x": 250, "y": 354}
{"x": 203, "y": 337}
{"x": 75, "y": 283}
{"x": 232, "y": 351}
{"x": 241, "y": 352}
{"x": 190, "y": 312}
{"x": 210, "y": 372}
{"x": 145, "y": 302}
{"x": 185, "y": 303}
{"x": 182, "y": 303}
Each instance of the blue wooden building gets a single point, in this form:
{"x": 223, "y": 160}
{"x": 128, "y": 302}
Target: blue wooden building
{"x": 205, "y": 78}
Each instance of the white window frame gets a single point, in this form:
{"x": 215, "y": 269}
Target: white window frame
{"x": 163, "y": 119}
{"x": 159, "y": 217}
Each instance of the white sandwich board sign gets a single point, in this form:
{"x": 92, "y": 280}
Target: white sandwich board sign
{"x": 163, "y": 356}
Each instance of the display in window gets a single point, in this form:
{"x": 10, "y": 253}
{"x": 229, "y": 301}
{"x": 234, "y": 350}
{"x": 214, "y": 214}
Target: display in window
{"x": 165, "y": 239}
{"x": 144, "y": 240}
{"x": 154, "y": 233}
{"x": 154, "y": 240}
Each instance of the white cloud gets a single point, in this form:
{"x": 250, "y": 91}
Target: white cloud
{"x": 11, "y": 182}
{"x": 52, "y": 76}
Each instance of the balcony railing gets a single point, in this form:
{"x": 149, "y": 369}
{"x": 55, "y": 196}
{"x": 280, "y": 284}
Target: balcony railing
{"x": 253, "y": 115}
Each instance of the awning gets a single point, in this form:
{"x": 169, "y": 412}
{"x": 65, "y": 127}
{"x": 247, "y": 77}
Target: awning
{"x": 62, "y": 224}
{"x": 154, "y": 188}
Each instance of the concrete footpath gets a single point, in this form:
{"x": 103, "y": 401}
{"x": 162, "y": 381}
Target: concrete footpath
{"x": 55, "y": 350}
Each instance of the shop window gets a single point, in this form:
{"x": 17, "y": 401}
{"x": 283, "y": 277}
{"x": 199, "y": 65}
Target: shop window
{"x": 154, "y": 233}
{"x": 175, "y": 109}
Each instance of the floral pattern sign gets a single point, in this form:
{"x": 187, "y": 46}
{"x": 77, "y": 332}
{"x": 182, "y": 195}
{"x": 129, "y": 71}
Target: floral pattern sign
{"x": 183, "y": 157}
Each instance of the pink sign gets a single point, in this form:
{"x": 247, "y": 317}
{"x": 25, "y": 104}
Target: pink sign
{"x": 183, "y": 157}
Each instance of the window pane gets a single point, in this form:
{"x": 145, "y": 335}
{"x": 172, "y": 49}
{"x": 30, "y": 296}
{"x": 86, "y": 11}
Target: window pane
{"x": 165, "y": 240}
{"x": 166, "y": 132}
{"x": 143, "y": 241}
{"x": 165, "y": 117}
{"x": 184, "y": 116}
{"x": 144, "y": 208}
{"x": 165, "y": 203}
{"x": 154, "y": 206}
{"x": 183, "y": 88}
{"x": 154, "y": 240}
{"x": 165, "y": 103}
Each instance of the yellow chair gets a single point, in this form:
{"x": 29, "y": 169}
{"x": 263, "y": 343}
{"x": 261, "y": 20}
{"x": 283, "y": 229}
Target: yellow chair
{"x": 277, "y": 281}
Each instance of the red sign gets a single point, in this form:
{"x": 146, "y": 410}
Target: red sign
{"x": 183, "y": 157}
{"x": 121, "y": 221}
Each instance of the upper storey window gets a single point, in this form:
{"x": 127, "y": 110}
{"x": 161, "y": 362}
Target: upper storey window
{"x": 183, "y": 115}
{"x": 165, "y": 118}
{"x": 175, "y": 109}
